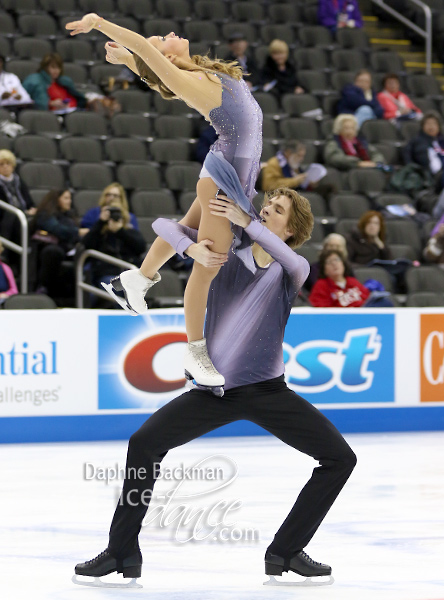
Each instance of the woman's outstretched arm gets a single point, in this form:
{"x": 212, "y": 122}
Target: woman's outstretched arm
{"x": 197, "y": 90}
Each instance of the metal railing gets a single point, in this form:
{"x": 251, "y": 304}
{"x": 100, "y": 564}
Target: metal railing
{"x": 23, "y": 249}
{"x": 81, "y": 286}
{"x": 425, "y": 33}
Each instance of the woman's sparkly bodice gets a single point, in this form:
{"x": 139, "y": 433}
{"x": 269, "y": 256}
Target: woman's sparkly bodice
{"x": 238, "y": 123}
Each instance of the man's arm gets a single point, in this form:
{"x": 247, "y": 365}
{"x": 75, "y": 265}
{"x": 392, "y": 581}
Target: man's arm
{"x": 183, "y": 240}
{"x": 296, "y": 266}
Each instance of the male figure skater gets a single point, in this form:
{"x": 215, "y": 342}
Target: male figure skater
{"x": 249, "y": 305}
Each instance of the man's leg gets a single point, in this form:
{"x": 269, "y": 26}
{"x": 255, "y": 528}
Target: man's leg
{"x": 187, "y": 417}
{"x": 296, "y": 422}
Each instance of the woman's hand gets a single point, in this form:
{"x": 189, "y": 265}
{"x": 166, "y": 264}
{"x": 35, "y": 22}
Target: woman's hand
{"x": 85, "y": 25}
{"x": 203, "y": 255}
{"x": 224, "y": 207}
{"x": 116, "y": 54}
{"x": 104, "y": 214}
{"x": 367, "y": 164}
{"x": 377, "y": 240}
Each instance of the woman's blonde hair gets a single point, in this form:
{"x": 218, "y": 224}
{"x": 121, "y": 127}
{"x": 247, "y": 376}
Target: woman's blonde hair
{"x": 278, "y": 46}
{"x": 8, "y": 156}
{"x": 300, "y": 221}
{"x": 205, "y": 64}
{"x": 123, "y": 199}
{"x": 339, "y": 122}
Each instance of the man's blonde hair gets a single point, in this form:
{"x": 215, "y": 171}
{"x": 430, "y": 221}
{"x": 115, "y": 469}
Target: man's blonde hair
{"x": 8, "y": 156}
{"x": 340, "y": 120}
{"x": 300, "y": 221}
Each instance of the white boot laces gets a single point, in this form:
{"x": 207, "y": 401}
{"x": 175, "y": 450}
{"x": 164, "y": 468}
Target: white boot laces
{"x": 201, "y": 356}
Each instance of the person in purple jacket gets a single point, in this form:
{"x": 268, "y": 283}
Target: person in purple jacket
{"x": 248, "y": 309}
{"x": 336, "y": 14}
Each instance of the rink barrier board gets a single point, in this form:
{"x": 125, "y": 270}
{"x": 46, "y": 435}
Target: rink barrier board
{"x": 69, "y": 375}
{"x": 87, "y": 428}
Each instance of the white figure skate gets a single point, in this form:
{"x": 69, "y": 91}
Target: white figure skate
{"x": 200, "y": 370}
{"x": 315, "y": 573}
{"x": 134, "y": 285}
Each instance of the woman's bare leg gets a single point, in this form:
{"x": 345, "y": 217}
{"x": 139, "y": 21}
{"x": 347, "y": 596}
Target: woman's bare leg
{"x": 160, "y": 251}
{"x": 196, "y": 293}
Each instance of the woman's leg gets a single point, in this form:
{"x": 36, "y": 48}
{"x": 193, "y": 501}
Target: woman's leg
{"x": 160, "y": 251}
{"x": 219, "y": 231}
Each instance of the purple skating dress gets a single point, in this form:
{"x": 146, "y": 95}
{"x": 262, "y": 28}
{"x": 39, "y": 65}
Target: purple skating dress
{"x": 233, "y": 161}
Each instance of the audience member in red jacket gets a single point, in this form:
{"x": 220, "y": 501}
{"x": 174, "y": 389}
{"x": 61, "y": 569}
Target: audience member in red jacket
{"x": 335, "y": 288}
{"x": 396, "y": 104}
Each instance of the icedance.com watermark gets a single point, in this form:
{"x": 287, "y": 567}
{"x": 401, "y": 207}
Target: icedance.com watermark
{"x": 182, "y": 509}
{"x": 178, "y": 473}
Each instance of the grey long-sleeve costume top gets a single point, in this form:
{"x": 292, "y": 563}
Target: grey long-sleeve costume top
{"x": 247, "y": 311}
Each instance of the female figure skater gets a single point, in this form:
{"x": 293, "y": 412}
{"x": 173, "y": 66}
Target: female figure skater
{"x": 216, "y": 90}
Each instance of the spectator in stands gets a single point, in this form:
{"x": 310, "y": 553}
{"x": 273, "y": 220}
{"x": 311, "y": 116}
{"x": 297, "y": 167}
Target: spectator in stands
{"x": 427, "y": 148}
{"x": 285, "y": 170}
{"x": 112, "y": 194}
{"x": 12, "y": 93}
{"x": 336, "y": 14}
{"x": 8, "y": 286}
{"x": 397, "y": 106}
{"x": 333, "y": 241}
{"x": 347, "y": 150}
{"x": 367, "y": 243}
{"x": 113, "y": 234}
{"x": 336, "y": 288}
{"x": 360, "y": 99}
{"x": 434, "y": 251}
{"x": 55, "y": 233}
{"x": 239, "y": 51}
{"x": 206, "y": 139}
{"x": 278, "y": 75}
{"x": 51, "y": 89}
{"x": 14, "y": 191}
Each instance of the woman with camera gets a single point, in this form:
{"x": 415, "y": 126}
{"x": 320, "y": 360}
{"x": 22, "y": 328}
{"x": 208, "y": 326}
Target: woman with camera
{"x": 113, "y": 234}
{"x": 114, "y": 193}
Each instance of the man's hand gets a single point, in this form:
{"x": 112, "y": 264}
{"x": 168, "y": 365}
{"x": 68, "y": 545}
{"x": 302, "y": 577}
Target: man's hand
{"x": 116, "y": 54}
{"x": 85, "y": 25}
{"x": 202, "y": 254}
{"x": 224, "y": 207}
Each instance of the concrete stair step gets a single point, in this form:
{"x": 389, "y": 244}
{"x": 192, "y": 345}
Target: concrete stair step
{"x": 420, "y": 67}
{"x": 384, "y": 32}
{"x": 390, "y": 44}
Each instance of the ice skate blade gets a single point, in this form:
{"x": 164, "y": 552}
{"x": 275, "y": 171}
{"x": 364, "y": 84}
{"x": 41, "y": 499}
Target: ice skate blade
{"x": 307, "y": 582}
{"x": 109, "y": 288}
{"x": 97, "y": 582}
{"x": 191, "y": 383}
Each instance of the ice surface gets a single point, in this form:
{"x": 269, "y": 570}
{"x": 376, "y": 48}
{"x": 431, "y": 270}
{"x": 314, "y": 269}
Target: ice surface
{"x": 384, "y": 537}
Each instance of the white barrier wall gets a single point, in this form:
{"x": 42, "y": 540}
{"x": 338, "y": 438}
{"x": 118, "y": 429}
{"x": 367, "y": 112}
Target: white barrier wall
{"x": 82, "y": 374}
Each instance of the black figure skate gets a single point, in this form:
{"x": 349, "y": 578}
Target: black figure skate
{"x": 104, "y": 564}
{"x": 315, "y": 573}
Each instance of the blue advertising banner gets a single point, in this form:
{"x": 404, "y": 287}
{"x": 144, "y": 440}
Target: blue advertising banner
{"x": 341, "y": 358}
{"x": 329, "y": 359}
{"x": 140, "y": 362}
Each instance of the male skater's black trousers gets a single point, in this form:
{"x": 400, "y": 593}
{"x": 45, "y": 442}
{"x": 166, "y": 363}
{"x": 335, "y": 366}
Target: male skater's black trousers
{"x": 270, "y": 404}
